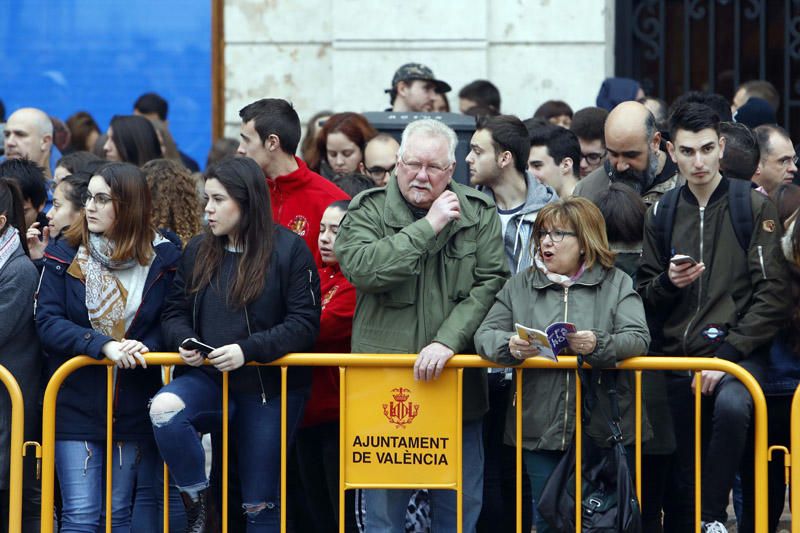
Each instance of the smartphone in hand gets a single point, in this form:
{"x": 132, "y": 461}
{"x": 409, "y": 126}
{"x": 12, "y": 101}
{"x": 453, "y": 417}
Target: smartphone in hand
{"x": 682, "y": 259}
{"x": 194, "y": 344}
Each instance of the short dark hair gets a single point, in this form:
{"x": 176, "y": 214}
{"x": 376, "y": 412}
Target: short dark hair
{"x": 693, "y": 117}
{"x": 76, "y": 161}
{"x": 763, "y": 135}
{"x": 560, "y": 142}
{"x": 553, "y": 108}
{"x": 152, "y": 103}
{"x": 762, "y": 89}
{"x": 483, "y": 93}
{"x": 353, "y": 183}
{"x": 78, "y": 184}
{"x": 30, "y": 178}
{"x": 508, "y": 134}
{"x": 742, "y": 153}
{"x": 274, "y": 116}
{"x": 479, "y": 111}
{"x": 715, "y": 101}
{"x": 624, "y": 211}
{"x": 344, "y": 205}
{"x": 589, "y": 123}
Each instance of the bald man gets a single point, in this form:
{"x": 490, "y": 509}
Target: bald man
{"x": 29, "y": 134}
{"x": 635, "y": 157}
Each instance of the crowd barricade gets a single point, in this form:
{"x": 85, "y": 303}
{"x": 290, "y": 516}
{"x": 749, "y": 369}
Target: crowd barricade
{"x": 16, "y": 449}
{"x": 385, "y": 361}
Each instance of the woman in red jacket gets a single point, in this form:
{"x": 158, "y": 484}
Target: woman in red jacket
{"x": 318, "y": 437}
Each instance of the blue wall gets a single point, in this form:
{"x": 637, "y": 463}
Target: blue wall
{"x": 98, "y": 56}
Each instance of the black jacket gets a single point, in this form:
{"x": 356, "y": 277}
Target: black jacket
{"x": 283, "y": 319}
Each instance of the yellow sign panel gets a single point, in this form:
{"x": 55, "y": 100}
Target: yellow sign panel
{"x": 398, "y": 430}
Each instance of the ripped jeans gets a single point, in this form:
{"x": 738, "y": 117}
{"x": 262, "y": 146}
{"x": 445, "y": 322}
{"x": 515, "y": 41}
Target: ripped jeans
{"x": 81, "y": 477}
{"x": 254, "y": 430}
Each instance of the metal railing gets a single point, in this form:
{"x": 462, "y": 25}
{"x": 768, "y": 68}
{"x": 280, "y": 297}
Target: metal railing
{"x": 637, "y": 364}
{"x": 17, "y": 449}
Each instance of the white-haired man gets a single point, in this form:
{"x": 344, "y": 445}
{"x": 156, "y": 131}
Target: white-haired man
{"x": 426, "y": 262}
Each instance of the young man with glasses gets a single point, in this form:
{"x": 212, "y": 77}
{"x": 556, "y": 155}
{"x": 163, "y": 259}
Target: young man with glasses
{"x": 778, "y": 159}
{"x": 423, "y": 256}
{"x": 588, "y": 124}
{"x": 727, "y": 303}
{"x": 380, "y": 158}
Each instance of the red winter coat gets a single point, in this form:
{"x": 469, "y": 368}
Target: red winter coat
{"x": 336, "y": 326}
{"x": 298, "y": 201}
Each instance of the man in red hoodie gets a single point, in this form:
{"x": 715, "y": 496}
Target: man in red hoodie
{"x": 269, "y": 135}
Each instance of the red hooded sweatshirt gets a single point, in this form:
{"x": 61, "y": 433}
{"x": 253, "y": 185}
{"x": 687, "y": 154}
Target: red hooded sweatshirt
{"x": 298, "y": 201}
{"x": 336, "y": 327}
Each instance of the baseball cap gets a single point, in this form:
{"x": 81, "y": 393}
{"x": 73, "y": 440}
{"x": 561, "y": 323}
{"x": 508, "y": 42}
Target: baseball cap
{"x": 417, "y": 71}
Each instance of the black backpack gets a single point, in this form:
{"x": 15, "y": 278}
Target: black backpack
{"x": 740, "y": 207}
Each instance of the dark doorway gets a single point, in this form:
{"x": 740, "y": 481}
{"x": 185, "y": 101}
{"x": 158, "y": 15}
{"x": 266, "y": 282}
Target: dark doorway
{"x": 673, "y": 46}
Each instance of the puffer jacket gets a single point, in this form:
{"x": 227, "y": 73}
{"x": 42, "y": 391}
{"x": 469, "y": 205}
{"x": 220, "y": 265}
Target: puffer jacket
{"x": 414, "y": 287}
{"x": 739, "y": 302}
{"x": 602, "y": 301}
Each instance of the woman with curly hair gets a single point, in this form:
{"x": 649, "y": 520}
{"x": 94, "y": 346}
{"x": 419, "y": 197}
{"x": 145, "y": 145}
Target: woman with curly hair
{"x": 175, "y": 204}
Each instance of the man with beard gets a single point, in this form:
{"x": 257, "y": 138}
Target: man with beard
{"x": 634, "y": 157}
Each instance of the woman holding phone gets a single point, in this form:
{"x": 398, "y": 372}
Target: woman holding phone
{"x": 101, "y": 294}
{"x": 249, "y": 289}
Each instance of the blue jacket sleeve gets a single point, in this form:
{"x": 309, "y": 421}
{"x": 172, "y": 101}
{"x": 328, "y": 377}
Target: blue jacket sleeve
{"x": 56, "y": 320}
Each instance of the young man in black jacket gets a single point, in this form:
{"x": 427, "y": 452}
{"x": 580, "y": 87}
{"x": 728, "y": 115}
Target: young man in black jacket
{"x": 726, "y": 302}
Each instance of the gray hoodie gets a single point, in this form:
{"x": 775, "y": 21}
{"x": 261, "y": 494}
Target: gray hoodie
{"x": 517, "y": 238}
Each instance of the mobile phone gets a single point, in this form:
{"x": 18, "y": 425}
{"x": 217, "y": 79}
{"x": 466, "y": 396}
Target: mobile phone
{"x": 194, "y": 344}
{"x": 682, "y": 259}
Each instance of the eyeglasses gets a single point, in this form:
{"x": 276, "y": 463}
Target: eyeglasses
{"x": 433, "y": 170}
{"x": 555, "y": 235}
{"x": 593, "y": 158}
{"x": 379, "y": 172}
{"x": 100, "y": 199}
{"x": 787, "y": 161}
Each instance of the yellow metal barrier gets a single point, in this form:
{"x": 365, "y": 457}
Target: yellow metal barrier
{"x": 795, "y": 470}
{"x": 17, "y": 450}
{"x": 695, "y": 364}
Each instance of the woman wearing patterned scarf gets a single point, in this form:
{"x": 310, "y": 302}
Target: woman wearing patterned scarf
{"x": 19, "y": 345}
{"x": 102, "y": 292}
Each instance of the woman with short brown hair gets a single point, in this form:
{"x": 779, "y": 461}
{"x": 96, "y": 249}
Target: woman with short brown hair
{"x": 573, "y": 280}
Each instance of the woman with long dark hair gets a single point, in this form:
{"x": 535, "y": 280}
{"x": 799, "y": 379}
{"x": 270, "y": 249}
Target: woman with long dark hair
{"x": 247, "y": 289}
{"x": 132, "y": 139}
{"x": 101, "y": 294}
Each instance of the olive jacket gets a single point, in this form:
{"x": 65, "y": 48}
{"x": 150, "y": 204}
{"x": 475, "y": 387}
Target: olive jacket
{"x": 602, "y": 301}
{"x": 414, "y": 287}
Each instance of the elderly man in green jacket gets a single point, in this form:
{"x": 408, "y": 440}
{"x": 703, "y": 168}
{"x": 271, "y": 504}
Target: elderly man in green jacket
{"x": 426, "y": 257}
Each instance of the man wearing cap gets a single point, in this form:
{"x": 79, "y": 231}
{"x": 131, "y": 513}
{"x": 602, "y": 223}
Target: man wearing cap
{"x": 414, "y": 88}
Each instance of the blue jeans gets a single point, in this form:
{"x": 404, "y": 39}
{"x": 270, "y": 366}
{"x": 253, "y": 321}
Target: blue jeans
{"x": 386, "y": 509}
{"x": 81, "y": 476}
{"x": 148, "y": 505}
{"x": 255, "y": 431}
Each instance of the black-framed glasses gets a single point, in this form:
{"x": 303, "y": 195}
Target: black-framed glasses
{"x": 379, "y": 172}
{"x": 100, "y": 199}
{"x": 556, "y": 235}
{"x": 593, "y": 158}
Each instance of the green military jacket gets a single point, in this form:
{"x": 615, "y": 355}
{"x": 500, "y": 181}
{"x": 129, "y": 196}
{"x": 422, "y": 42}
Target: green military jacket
{"x": 602, "y": 301}
{"x": 415, "y": 287}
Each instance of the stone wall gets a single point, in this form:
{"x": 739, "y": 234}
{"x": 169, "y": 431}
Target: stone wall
{"x": 341, "y": 54}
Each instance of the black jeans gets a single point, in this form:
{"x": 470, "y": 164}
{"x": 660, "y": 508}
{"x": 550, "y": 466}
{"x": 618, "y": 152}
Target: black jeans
{"x": 726, "y": 417}
{"x": 499, "y": 475}
{"x": 318, "y": 461}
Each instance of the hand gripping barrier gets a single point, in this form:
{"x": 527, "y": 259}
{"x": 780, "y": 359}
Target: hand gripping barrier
{"x": 343, "y": 361}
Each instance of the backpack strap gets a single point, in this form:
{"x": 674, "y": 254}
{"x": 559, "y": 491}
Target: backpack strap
{"x": 741, "y": 211}
{"x": 664, "y": 220}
